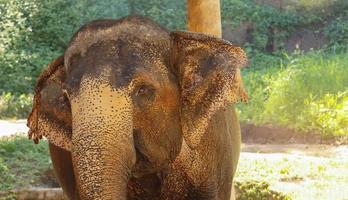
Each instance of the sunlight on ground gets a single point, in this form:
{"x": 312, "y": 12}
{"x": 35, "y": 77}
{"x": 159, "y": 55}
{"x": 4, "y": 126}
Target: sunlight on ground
{"x": 302, "y": 177}
{"x": 313, "y": 3}
{"x": 13, "y": 127}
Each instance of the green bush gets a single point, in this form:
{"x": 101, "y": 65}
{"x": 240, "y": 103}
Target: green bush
{"x": 31, "y": 36}
{"x": 337, "y": 32}
{"x": 251, "y": 190}
{"x": 328, "y": 114}
{"x": 19, "y": 69}
{"x": 34, "y": 32}
{"x": 15, "y": 106}
{"x": 308, "y": 93}
{"x": 22, "y": 163}
{"x": 271, "y": 25}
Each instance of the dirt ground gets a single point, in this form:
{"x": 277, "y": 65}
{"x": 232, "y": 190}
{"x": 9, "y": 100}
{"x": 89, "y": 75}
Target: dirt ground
{"x": 302, "y": 171}
{"x": 10, "y": 127}
{"x": 269, "y": 134}
{"x": 318, "y": 150}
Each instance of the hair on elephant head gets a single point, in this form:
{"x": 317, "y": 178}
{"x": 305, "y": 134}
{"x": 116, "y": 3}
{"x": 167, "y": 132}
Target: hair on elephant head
{"x": 126, "y": 93}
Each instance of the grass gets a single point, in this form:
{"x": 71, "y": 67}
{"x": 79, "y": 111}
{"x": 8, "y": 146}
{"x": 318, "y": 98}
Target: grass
{"x": 315, "y": 3}
{"x": 300, "y": 177}
{"x": 22, "y": 163}
{"x": 307, "y": 92}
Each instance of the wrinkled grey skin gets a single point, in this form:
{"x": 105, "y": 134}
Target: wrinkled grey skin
{"x": 133, "y": 111}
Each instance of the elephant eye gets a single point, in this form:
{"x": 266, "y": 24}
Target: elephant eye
{"x": 144, "y": 90}
{"x": 143, "y": 94}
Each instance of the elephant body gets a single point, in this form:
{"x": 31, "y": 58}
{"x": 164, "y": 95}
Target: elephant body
{"x": 133, "y": 111}
{"x": 183, "y": 179}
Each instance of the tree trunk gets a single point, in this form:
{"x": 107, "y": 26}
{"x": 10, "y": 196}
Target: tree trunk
{"x": 204, "y": 16}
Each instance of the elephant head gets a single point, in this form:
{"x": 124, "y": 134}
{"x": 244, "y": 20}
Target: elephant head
{"x": 124, "y": 96}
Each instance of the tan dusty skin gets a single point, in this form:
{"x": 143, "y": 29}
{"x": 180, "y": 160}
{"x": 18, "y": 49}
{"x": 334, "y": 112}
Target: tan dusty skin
{"x": 103, "y": 122}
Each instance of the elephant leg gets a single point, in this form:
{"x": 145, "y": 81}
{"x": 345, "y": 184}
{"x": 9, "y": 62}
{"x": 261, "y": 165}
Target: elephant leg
{"x": 62, "y": 164}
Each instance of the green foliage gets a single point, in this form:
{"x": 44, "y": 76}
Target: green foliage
{"x": 250, "y": 190}
{"x": 34, "y": 32}
{"x": 11, "y": 105}
{"x": 256, "y": 83}
{"x": 51, "y": 23}
{"x": 337, "y": 32}
{"x": 307, "y": 93}
{"x": 31, "y": 36}
{"x": 171, "y": 14}
{"x": 272, "y": 25}
{"x": 329, "y": 114}
{"x": 21, "y": 163}
{"x": 19, "y": 69}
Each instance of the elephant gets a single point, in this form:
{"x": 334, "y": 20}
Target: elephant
{"x": 134, "y": 111}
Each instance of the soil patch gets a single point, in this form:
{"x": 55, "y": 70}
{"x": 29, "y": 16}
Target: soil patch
{"x": 269, "y": 134}
{"x": 308, "y": 150}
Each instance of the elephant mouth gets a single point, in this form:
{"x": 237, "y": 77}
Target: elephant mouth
{"x": 144, "y": 165}
{"x": 141, "y": 157}
{"x": 143, "y": 168}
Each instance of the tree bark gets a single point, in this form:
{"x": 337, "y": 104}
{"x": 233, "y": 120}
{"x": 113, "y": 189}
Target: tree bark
{"x": 204, "y": 16}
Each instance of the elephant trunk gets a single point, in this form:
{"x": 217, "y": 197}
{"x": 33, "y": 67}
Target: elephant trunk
{"x": 102, "y": 167}
{"x": 103, "y": 152}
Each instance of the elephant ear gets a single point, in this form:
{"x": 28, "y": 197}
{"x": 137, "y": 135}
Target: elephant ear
{"x": 208, "y": 70}
{"x": 51, "y": 112}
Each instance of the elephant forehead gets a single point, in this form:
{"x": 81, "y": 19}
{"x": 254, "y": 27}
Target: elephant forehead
{"x": 124, "y": 59}
{"x": 104, "y": 30}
